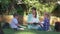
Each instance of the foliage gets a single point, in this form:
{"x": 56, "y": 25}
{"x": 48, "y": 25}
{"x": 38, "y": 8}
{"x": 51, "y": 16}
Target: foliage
{"x": 49, "y": 7}
{"x": 20, "y": 10}
{"x": 4, "y": 5}
{"x": 40, "y": 7}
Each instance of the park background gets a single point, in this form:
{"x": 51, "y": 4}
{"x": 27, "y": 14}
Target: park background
{"x": 23, "y": 8}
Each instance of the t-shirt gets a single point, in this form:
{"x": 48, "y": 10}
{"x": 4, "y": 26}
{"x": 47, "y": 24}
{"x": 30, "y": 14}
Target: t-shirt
{"x": 32, "y": 19}
{"x": 29, "y": 18}
{"x": 13, "y": 23}
{"x": 46, "y": 22}
{"x": 42, "y": 22}
{"x": 35, "y": 20}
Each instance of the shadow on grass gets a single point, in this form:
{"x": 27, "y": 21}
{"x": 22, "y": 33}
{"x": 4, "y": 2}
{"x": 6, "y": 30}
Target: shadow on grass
{"x": 10, "y": 31}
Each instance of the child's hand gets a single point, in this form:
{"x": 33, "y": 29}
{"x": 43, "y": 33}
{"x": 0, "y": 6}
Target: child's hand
{"x": 31, "y": 23}
{"x": 42, "y": 26}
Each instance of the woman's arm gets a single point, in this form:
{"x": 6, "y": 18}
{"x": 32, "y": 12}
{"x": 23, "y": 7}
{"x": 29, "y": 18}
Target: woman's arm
{"x": 29, "y": 19}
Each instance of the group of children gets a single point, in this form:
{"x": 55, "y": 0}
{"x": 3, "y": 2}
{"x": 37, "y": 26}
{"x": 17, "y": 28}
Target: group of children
{"x": 33, "y": 22}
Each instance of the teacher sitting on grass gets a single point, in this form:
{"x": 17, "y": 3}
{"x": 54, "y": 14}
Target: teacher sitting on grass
{"x": 33, "y": 20}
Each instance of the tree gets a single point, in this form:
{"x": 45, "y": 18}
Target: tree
{"x": 56, "y": 11}
{"x": 40, "y": 6}
{"x": 2, "y": 11}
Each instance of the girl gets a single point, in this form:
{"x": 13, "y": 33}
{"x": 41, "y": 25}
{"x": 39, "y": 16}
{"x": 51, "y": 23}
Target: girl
{"x": 46, "y": 22}
{"x": 41, "y": 23}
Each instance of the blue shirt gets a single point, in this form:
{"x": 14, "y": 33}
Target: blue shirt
{"x": 46, "y": 22}
{"x": 13, "y": 23}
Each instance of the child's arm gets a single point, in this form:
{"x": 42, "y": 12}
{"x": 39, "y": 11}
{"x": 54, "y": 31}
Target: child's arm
{"x": 16, "y": 22}
{"x": 41, "y": 24}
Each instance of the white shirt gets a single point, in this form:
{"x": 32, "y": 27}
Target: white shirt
{"x": 32, "y": 19}
{"x": 13, "y": 23}
{"x": 42, "y": 22}
{"x": 36, "y": 20}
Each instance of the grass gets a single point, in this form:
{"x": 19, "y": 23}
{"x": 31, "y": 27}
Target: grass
{"x": 10, "y": 31}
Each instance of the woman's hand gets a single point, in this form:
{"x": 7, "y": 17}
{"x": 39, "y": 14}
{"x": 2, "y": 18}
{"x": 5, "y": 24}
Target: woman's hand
{"x": 31, "y": 23}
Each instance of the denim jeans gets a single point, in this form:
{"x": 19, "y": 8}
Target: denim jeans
{"x": 37, "y": 27}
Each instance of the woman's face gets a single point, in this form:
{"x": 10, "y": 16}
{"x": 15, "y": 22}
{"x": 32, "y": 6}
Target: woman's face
{"x": 33, "y": 11}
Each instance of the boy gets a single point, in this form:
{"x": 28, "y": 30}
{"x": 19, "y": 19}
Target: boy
{"x": 14, "y": 23}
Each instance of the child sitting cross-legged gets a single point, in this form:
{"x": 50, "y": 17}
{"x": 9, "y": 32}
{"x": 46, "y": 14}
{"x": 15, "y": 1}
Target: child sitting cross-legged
{"x": 41, "y": 23}
{"x": 46, "y": 22}
{"x": 14, "y": 23}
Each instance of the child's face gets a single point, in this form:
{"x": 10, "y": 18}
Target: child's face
{"x": 41, "y": 19}
{"x": 16, "y": 17}
{"x": 45, "y": 16}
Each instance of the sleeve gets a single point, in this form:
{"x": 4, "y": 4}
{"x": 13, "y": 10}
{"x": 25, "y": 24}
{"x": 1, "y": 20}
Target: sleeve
{"x": 29, "y": 18}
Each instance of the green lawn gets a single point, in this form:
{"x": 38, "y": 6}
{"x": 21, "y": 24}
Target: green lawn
{"x": 10, "y": 31}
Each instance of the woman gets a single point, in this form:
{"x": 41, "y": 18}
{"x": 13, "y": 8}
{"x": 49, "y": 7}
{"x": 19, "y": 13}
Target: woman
{"x": 33, "y": 20}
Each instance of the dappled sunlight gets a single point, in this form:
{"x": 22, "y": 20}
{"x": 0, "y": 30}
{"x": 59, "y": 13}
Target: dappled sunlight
{"x": 25, "y": 20}
{"x": 10, "y": 31}
{"x": 25, "y": 33}
{"x": 24, "y": 8}
{"x": 8, "y": 18}
{"x": 53, "y": 19}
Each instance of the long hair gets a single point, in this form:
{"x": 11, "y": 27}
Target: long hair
{"x": 35, "y": 14}
{"x": 35, "y": 11}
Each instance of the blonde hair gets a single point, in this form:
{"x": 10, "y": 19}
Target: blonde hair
{"x": 41, "y": 18}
